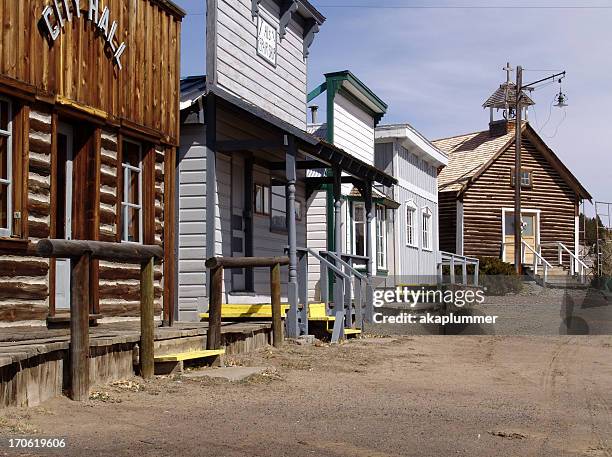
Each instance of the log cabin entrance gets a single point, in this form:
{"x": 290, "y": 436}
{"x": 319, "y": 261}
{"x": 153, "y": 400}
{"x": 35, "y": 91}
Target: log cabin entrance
{"x": 64, "y": 180}
{"x": 530, "y": 230}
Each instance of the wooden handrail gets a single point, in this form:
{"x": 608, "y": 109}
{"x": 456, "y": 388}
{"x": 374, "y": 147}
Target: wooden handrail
{"x": 246, "y": 262}
{"x": 112, "y": 252}
{"x": 216, "y": 266}
{"x": 82, "y": 252}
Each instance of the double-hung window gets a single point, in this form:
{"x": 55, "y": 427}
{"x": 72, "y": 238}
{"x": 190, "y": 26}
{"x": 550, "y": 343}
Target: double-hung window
{"x": 131, "y": 203}
{"x": 381, "y": 237}
{"x": 427, "y": 229}
{"x": 411, "y": 221}
{"x": 359, "y": 229}
{"x": 6, "y": 168}
{"x": 262, "y": 199}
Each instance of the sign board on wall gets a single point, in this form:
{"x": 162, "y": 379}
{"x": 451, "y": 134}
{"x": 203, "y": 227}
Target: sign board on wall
{"x": 55, "y": 16}
{"x": 267, "y": 41}
{"x": 256, "y": 51}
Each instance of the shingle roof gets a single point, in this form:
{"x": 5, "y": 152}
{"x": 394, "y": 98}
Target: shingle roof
{"x": 467, "y": 155}
{"x": 498, "y": 99}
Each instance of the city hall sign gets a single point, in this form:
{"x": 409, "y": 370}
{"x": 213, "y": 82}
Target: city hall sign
{"x": 56, "y": 16}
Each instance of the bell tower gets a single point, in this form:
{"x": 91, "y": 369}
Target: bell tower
{"x": 502, "y": 106}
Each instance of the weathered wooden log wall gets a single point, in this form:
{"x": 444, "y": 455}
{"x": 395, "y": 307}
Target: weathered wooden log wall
{"x": 492, "y": 191}
{"x": 447, "y": 202}
{"x": 74, "y": 80}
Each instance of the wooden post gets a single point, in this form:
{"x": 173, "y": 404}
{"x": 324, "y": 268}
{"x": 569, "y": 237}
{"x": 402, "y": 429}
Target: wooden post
{"x": 275, "y": 292}
{"x": 79, "y": 327}
{"x": 213, "y": 337}
{"x": 147, "y": 319}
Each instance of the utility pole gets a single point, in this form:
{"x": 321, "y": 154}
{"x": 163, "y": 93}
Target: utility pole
{"x": 518, "y": 235}
{"x": 518, "y": 239}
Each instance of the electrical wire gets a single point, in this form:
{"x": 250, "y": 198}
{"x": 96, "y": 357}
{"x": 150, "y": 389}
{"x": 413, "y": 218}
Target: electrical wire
{"x": 549, "y": 116}
{"x": 558, "y": 126}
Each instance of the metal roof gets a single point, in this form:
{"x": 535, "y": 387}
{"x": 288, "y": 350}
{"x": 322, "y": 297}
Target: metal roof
{"x": 195, "y": 87}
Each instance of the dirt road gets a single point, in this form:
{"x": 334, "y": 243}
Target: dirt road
{"x": 409, "y": 396}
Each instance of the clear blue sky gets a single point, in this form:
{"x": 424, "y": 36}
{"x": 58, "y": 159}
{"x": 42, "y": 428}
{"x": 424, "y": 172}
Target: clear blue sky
{"x": 435, "y": 67}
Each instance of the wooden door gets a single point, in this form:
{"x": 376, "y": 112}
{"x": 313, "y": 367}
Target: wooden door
{"x": 64, "y": 212}
{"x": 529, "y": 231}
{"x": 238, "y": 226}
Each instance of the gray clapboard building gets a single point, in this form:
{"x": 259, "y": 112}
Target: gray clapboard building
{"x": 243, "y": 174}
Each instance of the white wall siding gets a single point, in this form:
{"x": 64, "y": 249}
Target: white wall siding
{"x": 280, "y": 90}
{"x": 316, "y": 239}
{"x": 192, "y": 223}
{"x": 416, "y": 265}
{"x": 353, "y": 129}
{"x": 415, "y": 170}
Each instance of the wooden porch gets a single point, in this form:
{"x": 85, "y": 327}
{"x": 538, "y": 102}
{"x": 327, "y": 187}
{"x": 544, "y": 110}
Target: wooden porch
{"x": 34, "y": 361}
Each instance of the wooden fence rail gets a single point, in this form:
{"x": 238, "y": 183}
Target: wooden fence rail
{"x": 81, "y": 253}
{"x": 216, "y": 265}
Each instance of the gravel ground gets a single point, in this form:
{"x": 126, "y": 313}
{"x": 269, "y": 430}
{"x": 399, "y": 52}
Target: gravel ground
{"x": 404, "y": 396}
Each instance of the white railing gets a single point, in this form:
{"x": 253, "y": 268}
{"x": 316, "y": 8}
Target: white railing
{"x": 537, "y": 260}
{"x": 453, "y": 260}
{"x": 575, "y": 262}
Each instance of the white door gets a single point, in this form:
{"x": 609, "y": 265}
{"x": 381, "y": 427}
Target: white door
{"x": 65, "y": 154}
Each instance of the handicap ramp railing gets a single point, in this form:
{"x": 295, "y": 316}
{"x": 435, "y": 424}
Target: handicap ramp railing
{"x": 351, "y": 289}
{"x": 453, "y": 261}
{"x": 356, "y": 289}
{"x": 577, "y": 266}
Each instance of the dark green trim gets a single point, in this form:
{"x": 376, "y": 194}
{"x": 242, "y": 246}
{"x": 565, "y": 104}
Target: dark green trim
{"x": 316, "y": 92}
{"x": 346, "y": 75}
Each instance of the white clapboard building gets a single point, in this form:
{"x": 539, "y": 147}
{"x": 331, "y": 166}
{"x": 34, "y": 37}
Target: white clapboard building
{"x": 246, "y": 156}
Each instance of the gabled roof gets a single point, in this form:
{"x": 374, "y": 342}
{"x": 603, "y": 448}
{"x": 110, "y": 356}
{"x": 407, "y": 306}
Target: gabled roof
{"x": 499, "y": 99}
{"x": 471, "y": 155}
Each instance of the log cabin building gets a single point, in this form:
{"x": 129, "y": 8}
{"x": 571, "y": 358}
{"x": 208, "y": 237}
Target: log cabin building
{"x": 476, "y": 191}
{"x": 89, "y": 126}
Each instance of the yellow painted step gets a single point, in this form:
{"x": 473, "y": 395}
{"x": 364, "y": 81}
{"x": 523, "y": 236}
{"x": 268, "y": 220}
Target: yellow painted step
{"x": 316, "y": 312}
{"x": 347, "y": 331}
{"x": 190, "y": 355}
{"x": 260, "y": 311}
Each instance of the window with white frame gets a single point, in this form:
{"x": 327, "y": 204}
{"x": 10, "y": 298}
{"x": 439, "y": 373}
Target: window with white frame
{"x": 278, "y": 214}
{"x": 359, "y": 229}
{"x": 411, "y": 219}
{"x": 381, "y": 237}
{"x": 6, "y": 167}
{"x": 427, "y": 229}
{"x": 131, "y": 202}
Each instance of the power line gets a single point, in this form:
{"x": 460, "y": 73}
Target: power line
{"x": 472, "y": 7}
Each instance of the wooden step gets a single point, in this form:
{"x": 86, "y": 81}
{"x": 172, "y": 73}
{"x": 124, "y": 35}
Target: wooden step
{"x": 189, "y": 355}
{"x": 63, "y": 320}
{"x": 173, "y": 363}
{"x": 347, "y": 331}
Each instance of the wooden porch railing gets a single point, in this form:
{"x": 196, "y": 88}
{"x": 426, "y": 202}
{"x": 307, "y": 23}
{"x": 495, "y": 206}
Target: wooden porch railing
{"x": 216, "y": 265}
{"x": 81, "y": 253}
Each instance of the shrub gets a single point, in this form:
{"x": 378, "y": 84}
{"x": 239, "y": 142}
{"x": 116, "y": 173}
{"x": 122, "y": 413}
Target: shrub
{"x": 499, "y": 277}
